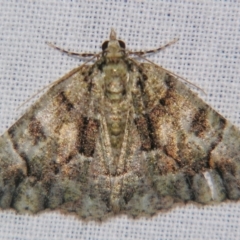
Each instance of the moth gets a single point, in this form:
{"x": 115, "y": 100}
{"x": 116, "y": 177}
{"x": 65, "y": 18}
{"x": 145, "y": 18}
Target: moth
{"x": 118, "y": 137}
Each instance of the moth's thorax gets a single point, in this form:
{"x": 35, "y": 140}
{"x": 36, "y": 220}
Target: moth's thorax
{"x": 115, "y": 80}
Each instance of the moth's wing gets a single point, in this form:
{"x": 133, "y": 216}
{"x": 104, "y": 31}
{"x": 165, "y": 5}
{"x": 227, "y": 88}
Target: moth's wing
{"x": 52, "y": 143}
{"x": 191, "y": 151}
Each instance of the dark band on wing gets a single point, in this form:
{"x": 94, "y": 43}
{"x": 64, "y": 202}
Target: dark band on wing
{"x": 170, "y": 81}
{"x": 35, "y": 129}
{"x": 146, "y": 131}
{"x": 62, "y": 98}
{"x": 88, "y": 135}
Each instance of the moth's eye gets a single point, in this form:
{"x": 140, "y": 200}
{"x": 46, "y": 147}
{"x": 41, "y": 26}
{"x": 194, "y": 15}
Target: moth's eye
{"x": 105, "y": 45}
{"x": 122, "y": 44}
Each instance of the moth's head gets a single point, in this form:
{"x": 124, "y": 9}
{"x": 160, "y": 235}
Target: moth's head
{"x": 113, "y": 48}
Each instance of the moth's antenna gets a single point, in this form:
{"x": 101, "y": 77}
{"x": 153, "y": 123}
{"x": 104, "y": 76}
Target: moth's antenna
{"x": 155, "y": 50}
{"x": 173, "y": 74}
{"x": 68, "y": 75}
{"x": 71, "y": 53}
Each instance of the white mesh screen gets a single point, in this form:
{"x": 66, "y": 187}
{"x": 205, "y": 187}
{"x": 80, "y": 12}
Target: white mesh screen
{"x": 207, "y": 54}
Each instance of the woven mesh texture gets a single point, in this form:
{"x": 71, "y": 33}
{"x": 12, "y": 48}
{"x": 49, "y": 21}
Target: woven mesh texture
{"x": 207, "y": 54}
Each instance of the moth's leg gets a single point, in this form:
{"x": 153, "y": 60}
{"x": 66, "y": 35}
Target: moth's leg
{"x": 72, "y": 53}
{"x": 155, "y": 50}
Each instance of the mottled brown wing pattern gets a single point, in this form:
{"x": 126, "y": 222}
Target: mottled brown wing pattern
{"x": 196, "y": 150}
{"x": 117, "y": 137}
{"x": 41, "y": 148}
